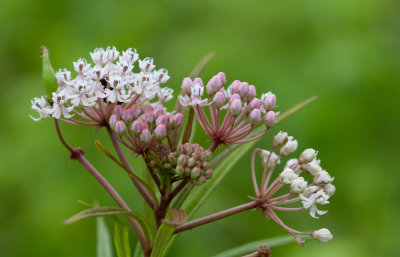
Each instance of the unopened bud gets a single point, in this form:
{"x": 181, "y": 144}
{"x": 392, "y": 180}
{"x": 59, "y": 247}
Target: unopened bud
{"x": 118, "y": 110}
{"x": 298, "y": 185}
{"x": 182, "y": 159}
{"x": 243, "y": 89}
{"x": 287, "y": 176}
{"x": 145, "y": 136}
{"x": 289, "y": 147}
{"x": 196, "y": 171}
{"x": 255, "y": 104}
{"x": 269, "y": 101}
{"x": 198, "y": 81}
{"x": 312, "y": 167}
{"x": 270, "y": 118}
{"x": 235, "y": 86}
{"x": 158, "y": 112}
{"x": 113, "y": 119}
{"x": 137, "y": 127}
{"x": 236, "y": 107}
{"x": 280, "y": 139}
{"x": 160, "y": 132}
{"x": 330, "y": 189}
{"x": 136, "y": 111}
{"x": 120, "y": 127}
{"x": 178, "y": 119}
{"x": 322, "y": 178}
{"x": 323, "y": 235}
{"x": 307, "y": 156}
{"x": 127, "y": 115}
{"x": 187, "y": 85}
{"x": 179, "y": 170}
{"x": 269, "y": 158}
{"x": 255, "y": 116}
{"x": 219, "y": 99}
{"x": 163, "y": 119}
{"x": 191, "y": 162}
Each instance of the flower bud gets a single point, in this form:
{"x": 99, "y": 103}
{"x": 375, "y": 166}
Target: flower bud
{"x": 287, "y": 176}
{"x": 270, "y": 118}
{"x": 178, "y": 119}
{"x": 323, "y": 235}
{"x": 182, "y": 159}
{"x": 222, "y": 77}
{"x": 145, "y": 136}
{"x": 200, "y": 181}
{"x": 171, "y": 158}
{"x": 289, "y": 147}
{"x": 113, "y": 119}
{"x": 273, "y": 159}
{"x": 136, "y": 111}
{"x": 160, "y": 132}
{"x": 198, "y": 81}
{"x": 137, "y": 127}
{"x": 298, "y": 185}
{"x": 310, "y": 190}
{"x": 118, "y": 110}
{"x": 219, "y": 99}
{"x": 209, "y": 173}
{"x": 291, "y": 162}
{"x": 191, "y": 162}
{"x": 236, "y": 107}
{"x": 269, "y": 101}
{"x": 235, "y": 86}
{"x": 179, "y": 170}
{"x": 48, "y": 73}
{"x": 322, "y": 178}
{"x": 234, "y": 97}
{"x": 252, "y": 93}
{"x": 120, "y": 127}
{"x": 148, "y": 117}
{"x": 158, "y": 112}
{"x": 196, "y": 172}
{"x": 243, "y": 89}
{"x": 330, "y": 189}
{"x": 127, "y": 115}
{"x": 187, "y": 85}
{"x": 307, "y": 156}
{"x": 255, "y": 116}
{"x": 312, "y": 167}
{"x": 280, "y": 139}
{"x": 163, "y": 119}
{"x": 255, "y": 104}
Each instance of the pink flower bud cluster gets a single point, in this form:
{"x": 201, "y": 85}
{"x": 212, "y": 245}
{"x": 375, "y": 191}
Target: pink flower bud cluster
{"x": 143, "y": 128}
{"x": 238, "y": 105}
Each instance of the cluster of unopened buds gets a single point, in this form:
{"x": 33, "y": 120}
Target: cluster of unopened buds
{"x": 238, "y": 103}
{"x": 109, "y": 93}
{"x": 310, "y": 194}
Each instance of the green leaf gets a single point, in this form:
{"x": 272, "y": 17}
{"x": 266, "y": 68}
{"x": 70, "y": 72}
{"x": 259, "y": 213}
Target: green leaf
{"x": 173, "y": 219}
{"x": 111, "y": 211}
{"x": 104, "y": 248}
{"x": 48, "y": 73}
{"x": 121, "y": 240}
{"x": 253, "y": 246}
{"x": 138, "y": 250}
{"x": 104, "y": 150}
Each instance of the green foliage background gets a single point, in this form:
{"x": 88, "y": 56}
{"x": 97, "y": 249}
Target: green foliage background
{"x": 346, "y": 52}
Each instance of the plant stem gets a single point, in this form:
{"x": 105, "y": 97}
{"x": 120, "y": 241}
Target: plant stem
{"x": 217, "y": 216}
{"x": 125, "y": 162}
{"x": 77, "y": 153}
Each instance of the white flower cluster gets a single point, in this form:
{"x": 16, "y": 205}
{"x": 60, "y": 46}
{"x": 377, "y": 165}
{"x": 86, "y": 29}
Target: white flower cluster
{"x": 111, "y": 80}
{"x": 319, "y": 191}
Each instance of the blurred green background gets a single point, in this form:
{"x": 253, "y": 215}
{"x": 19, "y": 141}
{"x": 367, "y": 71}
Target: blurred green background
{"x": 346, "y": 52}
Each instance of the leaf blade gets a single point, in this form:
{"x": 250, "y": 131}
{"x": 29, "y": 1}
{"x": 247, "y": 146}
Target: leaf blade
{"x": 104, "y": 247}
{"x": 121, "y": 240}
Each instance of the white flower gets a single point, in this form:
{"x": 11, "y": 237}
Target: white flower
{"x": 322, "y": 178}
{"x": 83, "y": 94}
{"x": 129, "y": 56}
{"x": 161, "y": 76}
{"x": 291, "y": 162}
{"x": 98, "y": 56}
{"x": 289, "y": 147}
{"x": 287, "y": 176}
{"x": 320, "y": 197}
{"x": 307, "y": 156}
{"x": 146, "y": 65}
{"x": 312, "y": 167}
{"x": 58, "y": 106}
{"x": 40, "y": 105}
{"x": 298, "y": 185}
{"x": 330, "y": 189}
{"x": 111, "y": 54}
{"x": 323, "y": 235}
{"x": 81, "y": 66}
{"x": 197, "y": 91}
{"x": 273, "y": 159}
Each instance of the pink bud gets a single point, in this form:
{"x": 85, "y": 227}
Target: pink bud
{"x": 148, "y": 117}
{"x": 158, "y": 111}
{"x": 210, "y": 87}
{"x": 163, "y": 119}
{"x": 252, "y": 93}
{"x": 160, "y": 132}
{"x": 222, "y": 77}
{"x": 270, "y": 118}
{"x": 235, "y": 97}
{"x": 120, "y": 127}
{"x": 236, "y": 107}
{"x": 127, "y": 115}
{"x": 137, "y": 111}
{"x": 235, "y": 86}
{"x": 137, "y": 127}
{"x": 118, "y": 110}
{"x": 219, "y": 99}
{"x": 148, "y": 108}
{"x": 269, "y": 101}
{"x": 255, "y": 116}
{"x": 178, "y": 119}
{"x": 255, "y": 104}
{"x": 145, "y": 136}
{"x": 198, "y": 81}
{"x": 187, "y": 85}
{"x": 243, "y": 89}
{"x": 113, "y": 119}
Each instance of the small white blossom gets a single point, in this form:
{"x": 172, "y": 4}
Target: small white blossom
{"x": 307, "y": 156}
{"x": 40, "y": 105}
{"x": 323, "y": 235}
{"x": 146, "y": 65}
{"x": 287, "y": 176}
{"x": 322, "y": 178}
{"x": 98, "y": 56}
{"x": 320, "y": 197}
{"x": 312, "y": 167}
{"x": 289, "y": 147}
{"x": 59, "y": 107}
{"x": 273, "y": 159}
{"x": 298, "y": 185}
{"x": 280, "y": 139}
